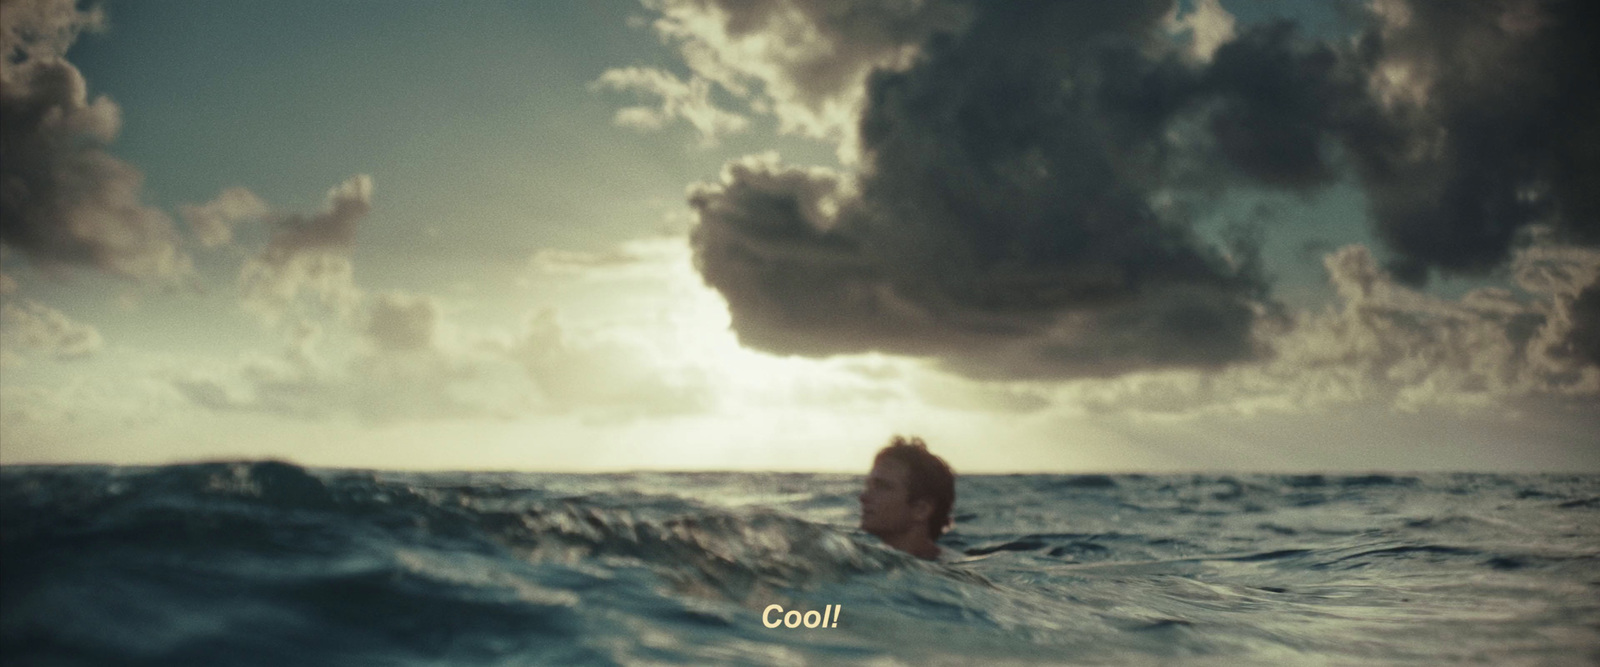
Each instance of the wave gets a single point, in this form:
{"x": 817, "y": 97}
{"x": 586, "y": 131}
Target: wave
{"x": 265, "y": 562}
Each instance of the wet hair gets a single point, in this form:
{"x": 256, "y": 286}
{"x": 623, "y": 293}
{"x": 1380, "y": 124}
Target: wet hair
{"x": 931, "y": 478}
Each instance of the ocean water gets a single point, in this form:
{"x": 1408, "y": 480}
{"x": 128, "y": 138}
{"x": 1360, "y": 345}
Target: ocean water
{"x": 265, "y": 563}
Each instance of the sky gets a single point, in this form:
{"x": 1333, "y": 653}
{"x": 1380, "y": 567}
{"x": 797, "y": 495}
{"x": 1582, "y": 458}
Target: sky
{"x": 1213, "y": 235}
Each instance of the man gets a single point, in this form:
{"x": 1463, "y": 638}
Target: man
{"x": 908, "y": 497}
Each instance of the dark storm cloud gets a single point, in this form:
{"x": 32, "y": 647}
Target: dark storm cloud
{"x": 1276, "y": 97}
{"x": 64, "y": 200}
{"x": 1478, "y": 134}
{"x": 1024, "y": 201}
{"x": 1482, "y": 123}
{"x": 1003, "y": 221}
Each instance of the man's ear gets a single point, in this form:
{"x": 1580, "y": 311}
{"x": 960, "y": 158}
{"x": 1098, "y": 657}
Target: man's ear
{"x": 922, "y": 508}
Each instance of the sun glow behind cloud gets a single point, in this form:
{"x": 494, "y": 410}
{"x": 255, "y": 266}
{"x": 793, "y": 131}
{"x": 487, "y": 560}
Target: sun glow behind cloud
{"x": 812, "y": 412}
{"x": 462, "y": 299}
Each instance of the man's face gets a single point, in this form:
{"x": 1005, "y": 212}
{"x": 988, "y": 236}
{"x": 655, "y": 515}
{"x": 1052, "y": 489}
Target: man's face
{"x": 886, "y": 507}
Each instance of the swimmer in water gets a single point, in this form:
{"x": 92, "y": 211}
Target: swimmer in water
{"x": 908, "y": 498}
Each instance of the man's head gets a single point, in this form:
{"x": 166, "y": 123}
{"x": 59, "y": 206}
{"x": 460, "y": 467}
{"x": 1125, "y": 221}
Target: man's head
{"x": 909, "y": 493}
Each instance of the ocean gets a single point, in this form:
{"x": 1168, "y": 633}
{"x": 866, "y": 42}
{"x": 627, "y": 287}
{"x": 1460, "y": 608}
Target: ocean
{"x": 267, "y": 563}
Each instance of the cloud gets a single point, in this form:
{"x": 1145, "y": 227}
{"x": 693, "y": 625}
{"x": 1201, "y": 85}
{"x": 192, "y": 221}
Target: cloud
{"x": 801, "y": 60}
{"x": 1271, "y": 104}
{"x": 1208, "y": 26}
{"x": 1569, "y": 277}
{"x": 309, "y": 254}
{"x": 399, "y": 369}
{"x": 404, "y": 371}
{"x": 38, "y": 29}
{"x": 65, "y": 200}
{"x": 1029, "y": 176}
{"x": 1479, "y": 123}
{"x": 651, "y": 339}
{"x": 396, "y": 355}
{"x": 212, "y": 222}
{"x": 295, "y": 382}
{"x": 647, "y": 259}
{"x": 402, "y": 322}
{"x": 1584, "y": 337}
{"x": 1386, "y": 344}
{"x": 609, "y": 374}
{"x": 690, "y": 101}
{"x": 1003, "y": 220}
{"x": 77, "y": 417}
{"x": 27, "y": 325}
